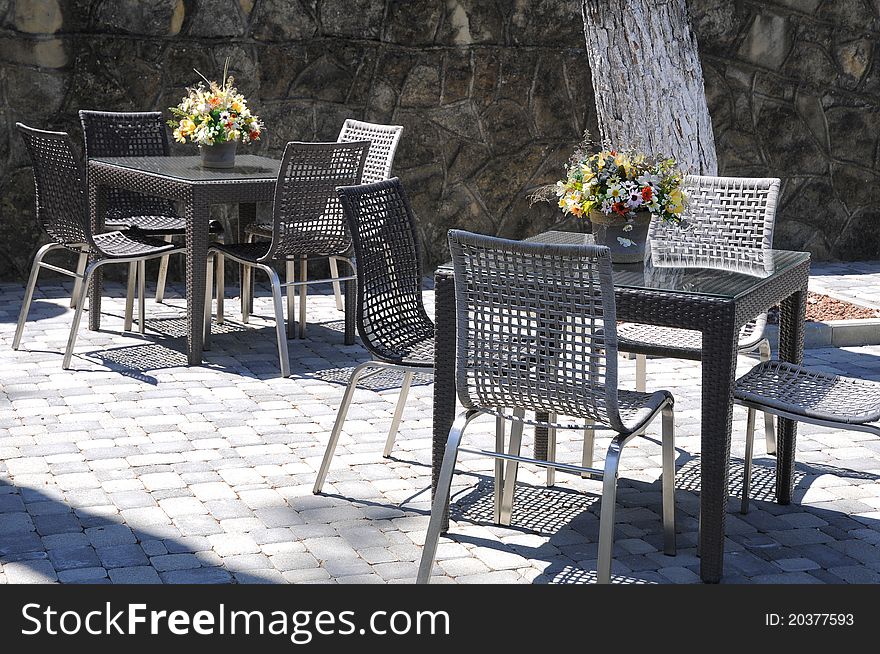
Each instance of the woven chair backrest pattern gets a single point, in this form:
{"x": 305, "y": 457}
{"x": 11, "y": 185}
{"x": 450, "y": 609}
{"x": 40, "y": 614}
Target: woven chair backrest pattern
{"x": 59, "y": 184}
{"x": 536, "y": 327}
{"x": 127, "y": 134}
{"x": 383, "y": 145}
{"x": 390, "y": 313}
{"x": 307, "y": 217}
{"x": 722, "y": 212}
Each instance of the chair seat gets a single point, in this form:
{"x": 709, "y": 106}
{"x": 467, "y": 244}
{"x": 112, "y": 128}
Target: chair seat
{"x": 157, "y": 225}
{"x": 260, "y": 229}
{"x": 637, "y": 408}
{"x": 124, "y": 245}
{"x": 416, "y": 351}
{"x": 248, "y": 252}
{"x": 688, "y": 342}
{"x": 810, "y": 393}
{"x": 310, "y": 245}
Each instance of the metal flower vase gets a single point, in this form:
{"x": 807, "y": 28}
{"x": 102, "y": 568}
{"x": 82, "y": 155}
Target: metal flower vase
{"x": 626, "y": 240}
{"x": 219, "y": 155}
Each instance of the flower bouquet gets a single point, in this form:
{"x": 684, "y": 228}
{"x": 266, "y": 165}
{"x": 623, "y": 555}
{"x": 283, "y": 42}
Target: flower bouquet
{"x": 216, "y": 117}
{"x": 619, "y": 191}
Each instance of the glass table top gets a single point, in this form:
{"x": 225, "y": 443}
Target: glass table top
{"x": 247, "y": 167}
{"x": 712, "y": 271}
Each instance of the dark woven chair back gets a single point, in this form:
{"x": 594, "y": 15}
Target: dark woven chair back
{"x": 307, "y": 217}
{"x": 722, "y": 212}
{"x": 383, "y": 144}
{"x": 536, "y": 327}
{"x": 391, "y": 318}
{"x": 127, "y": 134}
{"x": 60, "y": 190}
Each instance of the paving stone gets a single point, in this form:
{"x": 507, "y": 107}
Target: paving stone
{"x": 135, "y": 575}
{"x": 122, "y": 556}
{"x": 29, "y": 572}
{"x": 197, "y": 576}
{"x": 82, "y": 575}
{"x": 65, "y": 558}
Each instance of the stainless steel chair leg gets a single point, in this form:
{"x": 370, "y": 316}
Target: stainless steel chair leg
{"x": 441, "y": 496}
{"x": 29, "y": 292}
{"x": 221, "y": 286}
{"x": 142, "y": 292}
{"x": 280, "y": 330}
{"x": 769, "y": 429}
{"x": 77, "y": 314}
{"x": 303, "y": 293}
{"x": 337, "y": 289}
{"x": 209, "y": 296}
{"x": 641, "y": 372}
{"x": 500, "y": 425}
{"x": 398, "y": 413}
{"x": 516, "y": 430}
{"x": 668, "y": 481}
{"x": 290, "y": 273}
{"x": 606, "y": 515}
{"x": 589, "y": 446}
{"x": 81, "y": 263}
{"x": 551, "y": 451}
{"x": 129, "y": 296}
{"x": 163, "y": 274}
{"x": 356, "y": 374}
{"x": 747, "y": 464}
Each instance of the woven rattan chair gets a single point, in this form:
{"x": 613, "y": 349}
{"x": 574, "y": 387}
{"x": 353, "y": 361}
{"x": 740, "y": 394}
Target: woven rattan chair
{"x": 62, "y": 208}
{"x": 391, "y": 319}
{"x": 307, "y": 221}
{"x": 536, "y": 330}
{"x": 722, "y": 212}
{"x": 380, "y": 158}
{"x": 799, "y": 393}
{"x": 135, "y": 134}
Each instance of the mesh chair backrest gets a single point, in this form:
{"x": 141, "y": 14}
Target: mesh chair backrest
{"x": 390, "y": 313}
{"x": 59, "y": 184}
{"x": 723, "y": 212}
{"x": 536, "y": 327}
{"x": 307, "y": 217}
{"x": 383, "y": 144}
{"x": 127, "y": 134}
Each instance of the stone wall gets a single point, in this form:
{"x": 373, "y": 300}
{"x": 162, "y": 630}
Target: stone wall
{"x": 492, "y": 95}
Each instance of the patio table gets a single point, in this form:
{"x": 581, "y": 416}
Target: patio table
{"x": 185, "y": 180}
{"x": 715, "y": 295}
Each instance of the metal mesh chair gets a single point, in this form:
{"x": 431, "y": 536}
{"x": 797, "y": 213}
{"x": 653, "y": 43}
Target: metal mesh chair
{"x": 62, "y": 208}
{"x": 722, "y": 212}
{"x": 536, "y": 330}
{"x": 799, "y": 393}
{"x": 135, "y": 134}
{"x": 391, "y": 318}
{"x": 380, "y": 158}
{"x": 307, "y": 221}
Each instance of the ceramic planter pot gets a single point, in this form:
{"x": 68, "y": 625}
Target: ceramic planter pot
{"x": 626, "y": 245}
{"x": 219, "y": 155}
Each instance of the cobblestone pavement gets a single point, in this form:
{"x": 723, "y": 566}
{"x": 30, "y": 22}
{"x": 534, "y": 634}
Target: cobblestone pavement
{"x": 134, "y": 468}
{"x": 854, "y": 281}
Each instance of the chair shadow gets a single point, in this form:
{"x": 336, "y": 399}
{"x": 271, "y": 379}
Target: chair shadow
{"x": 566, "y": 515}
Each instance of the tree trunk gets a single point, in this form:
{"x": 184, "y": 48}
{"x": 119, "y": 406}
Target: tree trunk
{"x": 648, "y": 80}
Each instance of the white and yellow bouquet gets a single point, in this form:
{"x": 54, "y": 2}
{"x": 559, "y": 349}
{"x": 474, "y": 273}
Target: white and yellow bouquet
{"x": 214, "y": 114}
{"x": 622, "y": 183}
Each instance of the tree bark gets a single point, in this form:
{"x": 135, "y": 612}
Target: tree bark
{"x": 648, "y": 80}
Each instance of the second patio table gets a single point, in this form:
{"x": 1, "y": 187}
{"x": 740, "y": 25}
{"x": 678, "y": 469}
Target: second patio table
{"x": 183, "y": 179}
{"x": 715, "y": 295}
